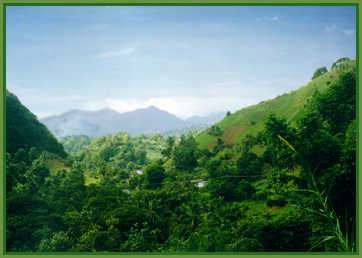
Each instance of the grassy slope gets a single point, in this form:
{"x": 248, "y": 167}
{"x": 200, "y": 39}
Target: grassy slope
{"x": 250, "y": 120}
{"x": 57, "y": 164}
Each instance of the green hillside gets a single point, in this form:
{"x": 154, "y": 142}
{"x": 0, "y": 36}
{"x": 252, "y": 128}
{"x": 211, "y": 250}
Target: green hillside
{"x": 23, "y": 130}
{"x": 250, "y": 120}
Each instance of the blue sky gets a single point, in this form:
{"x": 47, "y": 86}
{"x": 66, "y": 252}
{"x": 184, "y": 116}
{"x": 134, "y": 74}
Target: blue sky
{"x": 186, "y": 60}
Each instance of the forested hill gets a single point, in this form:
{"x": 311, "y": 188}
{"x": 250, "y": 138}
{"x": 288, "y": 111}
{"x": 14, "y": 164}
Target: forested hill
{"x": 289, "y": 106}
{"x": 23, "y": 130}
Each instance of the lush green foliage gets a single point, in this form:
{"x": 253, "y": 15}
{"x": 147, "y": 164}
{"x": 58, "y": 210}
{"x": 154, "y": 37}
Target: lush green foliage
{"x": 291, "y": 187}
{"x": 215, "y": 131}
{"x": 319, "y": 72}
{"x": 341, "y": 63}
{"x": 185, "y": 154}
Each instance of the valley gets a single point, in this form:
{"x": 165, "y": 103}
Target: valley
{"x": 276, "y": 176}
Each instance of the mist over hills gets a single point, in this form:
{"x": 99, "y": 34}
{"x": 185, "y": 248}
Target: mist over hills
{"x": 108, "y": 121}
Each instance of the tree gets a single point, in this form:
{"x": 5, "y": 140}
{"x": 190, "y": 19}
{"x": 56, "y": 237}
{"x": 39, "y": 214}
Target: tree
{"x": 141, "y": 156}
{"x": 155, "y": 174}
{"x": 215, "y": 131}
{"x": 224, "y": 181}
{"x": 244, "y": 190}
{"x": 140, "y": 239}
{"x": 247, "y": 143}
{"x": 278, "y": 153}
{"x": 107, "y": 152}
{"x": 343, "y": 192}
{"x": 169, "y": 148}
{"x": 36, "y": 175}
{"x": 319, "y": 72}
{"x": 340, "y": 62}
{"x": 59, "y": 242}
{"x": 185, "y": 154}
{"x": 317, "y": 148}
{"x": 74, "y": 188}
{"x": 337, "y": 105}
{"x": 250, "y": 166}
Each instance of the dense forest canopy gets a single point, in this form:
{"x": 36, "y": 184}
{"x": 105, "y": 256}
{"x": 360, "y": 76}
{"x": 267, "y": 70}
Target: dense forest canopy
{"x": 285, "y": 183}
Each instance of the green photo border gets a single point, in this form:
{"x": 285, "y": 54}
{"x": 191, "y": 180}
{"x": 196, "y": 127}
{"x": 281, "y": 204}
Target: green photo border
{"x": 4, "y": 3}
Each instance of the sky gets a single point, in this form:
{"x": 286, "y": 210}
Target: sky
{"x": 190, "y": 60}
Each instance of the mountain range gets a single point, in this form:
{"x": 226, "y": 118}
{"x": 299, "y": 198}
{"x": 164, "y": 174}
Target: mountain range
{"x": 108, "y": 121}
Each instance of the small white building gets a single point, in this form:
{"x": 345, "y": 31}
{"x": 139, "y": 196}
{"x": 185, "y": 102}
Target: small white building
{"x": 199, "y": 182}
{"x": 139, "y": 171}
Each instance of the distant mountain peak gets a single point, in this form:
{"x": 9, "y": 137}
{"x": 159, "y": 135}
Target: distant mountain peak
{"x": 107, "y": 110}
{"x": 105, "y": 121}
{"x": 153, "y": 108}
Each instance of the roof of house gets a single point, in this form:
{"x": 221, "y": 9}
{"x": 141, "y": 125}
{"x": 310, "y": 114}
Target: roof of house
{"x": 197, "y": 181}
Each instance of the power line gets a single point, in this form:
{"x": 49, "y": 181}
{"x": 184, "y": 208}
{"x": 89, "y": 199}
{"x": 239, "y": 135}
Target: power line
{"x": 189, "y": 180}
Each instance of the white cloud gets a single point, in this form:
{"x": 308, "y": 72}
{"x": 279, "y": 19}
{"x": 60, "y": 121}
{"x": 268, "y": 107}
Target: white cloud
{"x": 41, "y": 115}
{"x": 331, "y": 27}
{"x": 182, "y": 106}
{"x": 275, "y": 18}
{"x": 121, "y": 52}
{"x": 348, "y": 32}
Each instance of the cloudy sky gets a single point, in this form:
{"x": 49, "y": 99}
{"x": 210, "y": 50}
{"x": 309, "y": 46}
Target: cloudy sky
{"x": 186, "y": 60}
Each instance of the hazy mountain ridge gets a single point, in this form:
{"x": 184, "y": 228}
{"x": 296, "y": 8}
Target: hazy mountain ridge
{"x": 108, "y": 121}
{"x": 205, "y": 120}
